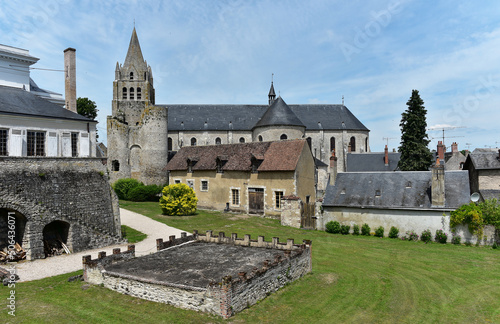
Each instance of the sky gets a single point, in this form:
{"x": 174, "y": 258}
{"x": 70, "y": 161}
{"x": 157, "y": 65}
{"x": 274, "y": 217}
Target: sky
{"x": 372, "y": 53}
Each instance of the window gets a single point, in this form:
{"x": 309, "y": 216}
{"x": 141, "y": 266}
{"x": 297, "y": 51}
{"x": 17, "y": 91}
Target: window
{"x": 131, "y": 75}
{"x": 377, "y": 193}
{"x": 353, "y": 144}
{"x": 332, "y": 144}
{"x": 220, "y": 163}
{"x": 193, "y": 141}
{"x": 204, "y": 185}
{"x": 131, "y": 93}
{"x": 283, "y": 137}
{"x": 242, "y": 140}
{"x": 260, "y": 138}
{"x": 218, "y": 141}
{"x": 169, "y": 146}
{"x": 74, "y": 144}
{"x": 124, "y": 93}
{"x": 366, "y": 144}
{"x": 190, "y": 184}
{"x": 235, "y": 197}
{"x": 278, "y": 195}
{"x": 139, "y": 95}
{"x": 115, "y": 165}
{"x": 4, "y": 136}
{"x": 36, "y": 143}
{"x": 177, "y": 181}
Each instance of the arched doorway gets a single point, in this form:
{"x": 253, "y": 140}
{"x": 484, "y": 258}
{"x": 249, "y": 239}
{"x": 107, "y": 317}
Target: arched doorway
{"x": 11, "y": 219}
{"x": 55, "y": 237}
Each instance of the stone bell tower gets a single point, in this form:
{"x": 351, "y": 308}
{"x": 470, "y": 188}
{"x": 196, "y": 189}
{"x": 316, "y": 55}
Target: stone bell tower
{"x": 137, "y": 129}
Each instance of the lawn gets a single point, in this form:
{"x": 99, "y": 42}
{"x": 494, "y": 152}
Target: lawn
{"x": 354, "y": 279}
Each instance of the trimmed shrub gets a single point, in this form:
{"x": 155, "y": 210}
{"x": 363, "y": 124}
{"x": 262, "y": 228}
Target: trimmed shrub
{"x": 379, "y": 232}
{"x": 456, "y": 239}
{"x": 412, "y": 236}
{"x": 355, "y": 229}
{"x": 344, "y": 229}
{"x": 178, "y": 200}
{"x": 333, "y": 227}
{"x": 123, "y": 186}
{"x": 440, "y": 236}
{"x": 365, "y": 230}
{"x": 144, "y": 193}
{"x": 426, "y": 236}
{"x": 393, "y": 232}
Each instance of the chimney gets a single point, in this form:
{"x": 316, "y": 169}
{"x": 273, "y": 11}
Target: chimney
{"x": 333, "y": 168}
{"x": 440, "y": 150}
{"x": 437, "y": 185}
{"x": 386, "y": 156}
{"x": 454, "y": 148}
{"x": 70, "y": 78}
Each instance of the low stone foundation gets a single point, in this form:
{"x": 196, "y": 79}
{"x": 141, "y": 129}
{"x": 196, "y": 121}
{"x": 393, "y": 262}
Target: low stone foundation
{"x": 216, "y": 274}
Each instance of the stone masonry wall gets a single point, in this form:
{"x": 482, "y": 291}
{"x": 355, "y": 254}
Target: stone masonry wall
{"x": 72, "y": 190}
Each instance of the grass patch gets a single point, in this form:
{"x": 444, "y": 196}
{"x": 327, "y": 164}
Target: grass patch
{"x": 354, "y": 279}
{"x": 132, "y": 235}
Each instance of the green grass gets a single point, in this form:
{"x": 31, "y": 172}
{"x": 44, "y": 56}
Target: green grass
{"x": 132, "y": 235}
{"x": 354, "y": 279}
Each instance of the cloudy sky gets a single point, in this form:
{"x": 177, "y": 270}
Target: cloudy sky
{"x": 371, "y": 52}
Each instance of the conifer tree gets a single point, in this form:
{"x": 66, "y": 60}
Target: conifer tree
{"x": 415, "y": 155}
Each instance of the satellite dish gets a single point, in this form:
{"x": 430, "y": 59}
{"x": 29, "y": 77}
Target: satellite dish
{"x": 474, "y": 197}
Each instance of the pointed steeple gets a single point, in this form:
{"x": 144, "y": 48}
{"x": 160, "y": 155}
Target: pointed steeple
{"x": 134, "y": 54}
{"x": 272, "y": 94}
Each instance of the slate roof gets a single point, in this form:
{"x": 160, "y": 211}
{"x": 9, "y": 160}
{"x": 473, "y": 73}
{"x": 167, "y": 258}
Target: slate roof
{"x": 279, "y": 114}
{"x": 489, "y": 194}
{"x": 16, "y": 101}
{"x": 134, "y": 54}
{"x": 483, "y": 161}
{"x": 370, "y": 162}
{"x": 398, "y": 190}
{"x": 183, "y": 117}
{"x": 275, "y": 156}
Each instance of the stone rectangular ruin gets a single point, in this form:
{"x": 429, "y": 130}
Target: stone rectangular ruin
{"x": 215, "y": 274}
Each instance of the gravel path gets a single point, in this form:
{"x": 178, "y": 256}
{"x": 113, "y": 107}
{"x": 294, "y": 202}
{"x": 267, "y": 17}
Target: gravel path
{"x": 42, "y": 268}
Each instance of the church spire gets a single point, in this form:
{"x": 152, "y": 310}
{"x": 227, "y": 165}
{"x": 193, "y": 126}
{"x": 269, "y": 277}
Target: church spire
{"x": 134, "y": 53}
{"x": 272, "y": 94}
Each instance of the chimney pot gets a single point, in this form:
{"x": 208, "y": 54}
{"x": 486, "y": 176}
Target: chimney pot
{"x": 386, "y": 156}
{"x": 440, "y": 150}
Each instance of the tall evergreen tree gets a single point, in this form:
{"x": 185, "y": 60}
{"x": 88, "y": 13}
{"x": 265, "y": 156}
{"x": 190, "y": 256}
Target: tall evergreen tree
{"x": 415, "y": 155}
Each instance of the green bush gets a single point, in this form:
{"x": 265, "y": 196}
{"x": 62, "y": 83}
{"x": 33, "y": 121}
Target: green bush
{"x": 365, "y": 230}
{"x": 123, "y": 186}
{"x": 440, "y": 236}
{"x": 178, "y": 200}
{"x": 333, "y": 227}
{"x": 494, "y": 246}
{"x": 471, "y": 215}
{"x": 379, "y": 232}
{"x": 355, "y": 229}
{"x": 344, "y": 229}
{"x": 491, "y": 212}
{"x": 393, "y": 232}
{"x": 426, "y": 236}
{"x": 412, "y": 236}
{"x": 456, "y": 239}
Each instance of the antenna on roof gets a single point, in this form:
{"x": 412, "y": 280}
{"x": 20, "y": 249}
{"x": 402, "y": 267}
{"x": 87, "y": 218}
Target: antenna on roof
{"x": 272, "y": 77}
{"x": 387, "y": 139}
{"x": 342, "y": 100}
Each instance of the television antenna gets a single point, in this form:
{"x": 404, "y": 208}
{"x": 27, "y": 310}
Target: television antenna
{"x": 443, "y": 129}
{"x": 387, "y": 139}
{"x": 468, "y": 146}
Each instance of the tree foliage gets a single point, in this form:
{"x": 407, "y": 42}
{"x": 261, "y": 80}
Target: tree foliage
{"x": 491, "y": 212}
{"x": 178, "y": 200}
{"x": 86, "y": 107}
{"x": 470, "y": 215}
{"x": 415, "y": 155}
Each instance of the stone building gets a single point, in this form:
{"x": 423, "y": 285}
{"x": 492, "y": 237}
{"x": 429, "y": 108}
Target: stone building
{"x": 249, "y": 177}
{"x": 141, "y": 133}
{"x": 484, "y": 174}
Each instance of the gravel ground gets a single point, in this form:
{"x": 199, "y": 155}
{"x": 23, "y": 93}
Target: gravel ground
{"x": 42, "y": 268}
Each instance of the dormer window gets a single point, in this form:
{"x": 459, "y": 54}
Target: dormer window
{"x": 408, "y": 184}
{"x": 255, "y": 164}
{"x": 190, "y": 163}
{"x": 377, "y": 193}
{"x": 131, "y": 75}
{"x": 131, "y": 93}
{"x": 124, "y": 93}
{"x": 219, "y": 162}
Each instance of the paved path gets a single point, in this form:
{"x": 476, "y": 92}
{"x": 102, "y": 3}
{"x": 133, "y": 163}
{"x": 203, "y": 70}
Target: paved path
{"x": 42, "y": 268}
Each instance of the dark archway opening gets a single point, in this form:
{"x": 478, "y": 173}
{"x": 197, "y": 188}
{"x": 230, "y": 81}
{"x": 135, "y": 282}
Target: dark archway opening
{"x": 55, "y": 237}
{"x": 12, "y": 226}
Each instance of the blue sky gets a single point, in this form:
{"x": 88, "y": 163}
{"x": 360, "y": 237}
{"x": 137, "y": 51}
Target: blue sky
{"x": 371, "y": 52}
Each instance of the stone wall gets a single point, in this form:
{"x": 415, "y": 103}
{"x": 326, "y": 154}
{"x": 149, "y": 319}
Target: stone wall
{"x": 72, "y": 191}
{"x": 291, "y": 211}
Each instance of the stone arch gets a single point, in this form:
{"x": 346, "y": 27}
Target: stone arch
{"x": 218, "y": 141}
{"x": 283, "y": 137}
{"x": 12, "y": 220}
{"x": 55, "y": 233}
{"x": 135, "y": 158}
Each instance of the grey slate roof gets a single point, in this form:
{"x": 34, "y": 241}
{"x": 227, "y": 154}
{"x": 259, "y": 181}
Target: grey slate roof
{"x": 370, "y": 162}
{"x": 398, "y": 190}
{"x": 15, "y": 101}
{"x": 279, "y": 114}
{"x": 244, "y": 117}
{"x": 483, "y": 161}
{"x": 490, "y": 194}
{"x": 134, "y": 54}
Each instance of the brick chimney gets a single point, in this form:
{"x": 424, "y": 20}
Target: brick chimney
{"x": 437, "y": 185}
{"x": 454, "y": 148}
{"x": 333, "y": 168}
{"x": 386, "y": 156}
{"x": 70, "y": 78}
{"x": 440, "y": 150}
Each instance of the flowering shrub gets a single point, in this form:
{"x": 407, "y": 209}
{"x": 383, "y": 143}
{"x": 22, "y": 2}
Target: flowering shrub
{"x": 344, "y": 229}
{"x": 393, "y": 232}
{"x": 412, "y": 236}
{"x": 177, "y": 200}
{"x": 333, "y": 227}
{"x": 440, "y": 236}
{"x": 456, "y": 239}
{"x": 355, "y": 229}
{"x": 471, "y": 215}
{"x": 379, "y": 232}
{"x": 426, "y": 236}
{"x": 365, "y": 230}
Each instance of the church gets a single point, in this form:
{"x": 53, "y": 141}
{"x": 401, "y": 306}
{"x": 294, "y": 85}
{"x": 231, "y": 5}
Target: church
{"x": 142, "y": 134}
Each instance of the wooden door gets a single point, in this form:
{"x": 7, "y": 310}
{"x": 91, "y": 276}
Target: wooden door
{"x": 256, "y": 200}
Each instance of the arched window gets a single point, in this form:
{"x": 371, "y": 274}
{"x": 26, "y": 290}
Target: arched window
{"x": 139, "y": 94}
{"x": 242, "y": 140}
{"x": 366, "y": 144}
{"x": 260, "y": 138}
{"x": 218, "y": 141}
{"x": 144, "y": 76}
{"x": 131, "y": 93}
{"x": 124, "y": 95}
{"x": 353, "y": 144}
{"x": 169, "y": 146}
{"x": 283, "y": 137}
{"x": 332, "y": 144}
{"x": 131, "y": 75}
{"x": 193, "y": 141}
